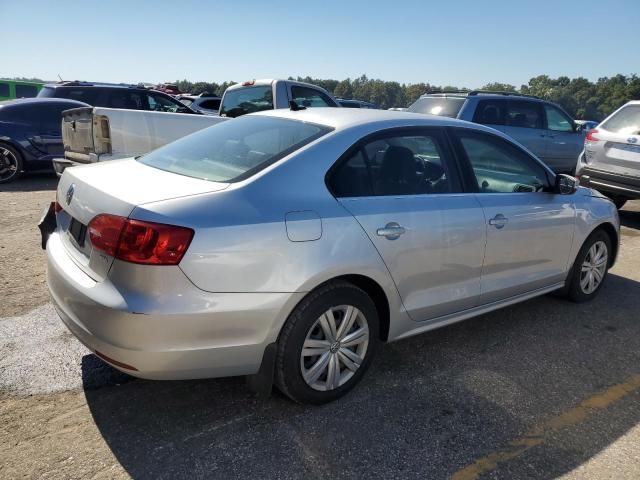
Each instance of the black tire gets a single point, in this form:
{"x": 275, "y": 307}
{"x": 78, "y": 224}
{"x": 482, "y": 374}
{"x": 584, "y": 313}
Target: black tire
{"x": 10, "y": 159}
{"x": 289, "y": 377}
{"x": 574, "y": 290}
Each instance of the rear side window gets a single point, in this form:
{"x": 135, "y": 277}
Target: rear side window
{"x": 310, "y": 97}
{"x": 26, "y": 91}
{"x": 125, "y": 99}
{"x": 393, "y": 165}
{"x": 234, "y": 150}
{"x": 524, "y": 114}
{"x": 490, "y": 112}
{"x": 160, "y": 103}
{"x": 626, "y": 121}
{"x": 85, "y": 95}
{"x": 4, "y": 89}
{"x": 241, "y": 101}
{"x": 444, "y": 106}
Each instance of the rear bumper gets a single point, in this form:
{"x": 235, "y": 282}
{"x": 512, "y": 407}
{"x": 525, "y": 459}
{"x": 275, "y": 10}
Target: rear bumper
{"x": 611, "y": 183}
{"x": 180, "y": 334}
{"x": 59, "y": 164}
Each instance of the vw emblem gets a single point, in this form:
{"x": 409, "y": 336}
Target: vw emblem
{"x": 632, "y": 140}
{"x": 69, "y": 196}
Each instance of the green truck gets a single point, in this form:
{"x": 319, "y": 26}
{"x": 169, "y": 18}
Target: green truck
{"x": 10, "y": 89}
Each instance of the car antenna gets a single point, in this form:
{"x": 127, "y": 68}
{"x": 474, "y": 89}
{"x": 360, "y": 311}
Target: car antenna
{"x": 294, "y": 107}
{"x": 60, "y": 78}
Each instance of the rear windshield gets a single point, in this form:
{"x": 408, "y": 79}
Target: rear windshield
{"x": 444, "y": 106}
{"x": 241, "y": 101}
{"x": 234, "y": 150}
{"x": 626, "y": 121}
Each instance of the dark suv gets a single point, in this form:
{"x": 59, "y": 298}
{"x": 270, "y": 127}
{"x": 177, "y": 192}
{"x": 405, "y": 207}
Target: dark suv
{"x": 542, "y": 127}
{"x": 107, "y": 95}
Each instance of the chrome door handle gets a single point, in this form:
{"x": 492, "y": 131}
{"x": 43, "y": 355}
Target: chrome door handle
{"x": 499, "y": 221}
{"x": 391, "y": 231}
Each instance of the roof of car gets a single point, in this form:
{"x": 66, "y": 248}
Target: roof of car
{"x": 76, "y": 84}
{"x": 474, "y": 93}
{"x": 40, "y": 100}
{"x": 340, "y": 118}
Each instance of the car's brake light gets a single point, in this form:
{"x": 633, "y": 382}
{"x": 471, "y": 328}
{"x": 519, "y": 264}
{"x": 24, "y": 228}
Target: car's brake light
{"x": 101, "y": 135}
{"x": 136, "y": 241}
{"x": 591, "y": 137}
{"x": 248, "y": 82}
{"x": 57, "y": 208}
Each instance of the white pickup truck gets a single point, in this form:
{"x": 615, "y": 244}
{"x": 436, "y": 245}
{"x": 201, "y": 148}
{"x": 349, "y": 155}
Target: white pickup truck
{"x": 97, "y": 134}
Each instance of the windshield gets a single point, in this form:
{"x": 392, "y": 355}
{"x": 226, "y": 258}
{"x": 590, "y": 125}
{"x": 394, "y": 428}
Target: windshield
{"x": 626, "y": 121}
{"x": 444, "y": 106}
{"x": 241, "y": 101}
{"x": 234, "y": 150}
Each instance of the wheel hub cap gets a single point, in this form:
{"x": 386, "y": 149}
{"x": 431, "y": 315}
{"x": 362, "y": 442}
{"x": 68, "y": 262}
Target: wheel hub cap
{"x": 335, "y": 347}
{"x": 594, "y": 267}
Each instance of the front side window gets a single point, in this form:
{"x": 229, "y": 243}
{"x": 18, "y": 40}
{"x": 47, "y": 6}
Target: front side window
{"x": 393, "y": 165}
{"x": 26, "y": 91}
{"x": 626, "y": 121}
{"x": 234, "y": 150}
{"x": 500, "y": 167}
{"x": 490, "y": 112}
{"x": 310, "y": 97}
{"x": 160, "y": 103}
{"x": 524, "y": 114}
{"x": 557, "y": 120}
{"x": 241, "y": 101}
{"x": 210, "y": 104}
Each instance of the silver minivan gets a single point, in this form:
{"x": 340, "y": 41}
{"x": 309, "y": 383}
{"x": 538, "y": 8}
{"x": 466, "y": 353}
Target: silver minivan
{"x": 610, "y": 161}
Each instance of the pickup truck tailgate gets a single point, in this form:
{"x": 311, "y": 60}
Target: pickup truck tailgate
{"x": 77, "y": 133}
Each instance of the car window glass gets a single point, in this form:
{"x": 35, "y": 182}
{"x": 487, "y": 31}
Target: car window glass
{"x": 125, "y": 99}
{"x": 626, "y": 121}
{"x": 309, "y": 97}
{"x": 500, "y": 167}
{"x": 490, "y": 112}
{"x": 443, "y": 106}
{"x": 556, "y": 120}
{"x": 524, "y": 114}
{"x": 351, "y": 178}
{"x": 82, "y": 95}
{"x": 186, "y": 101}
{"x": 26, "y": 91}
{"x": 4, "y": 89}
{"x": 210, "y": 104}
{"x": 241, "y": 101}
{"x": 160, "y": 103}
{"x": 407, "y": 165}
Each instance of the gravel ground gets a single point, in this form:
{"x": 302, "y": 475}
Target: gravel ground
{"x": 430, "y": 405}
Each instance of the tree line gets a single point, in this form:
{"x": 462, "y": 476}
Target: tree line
{"x": 582, "y": 98}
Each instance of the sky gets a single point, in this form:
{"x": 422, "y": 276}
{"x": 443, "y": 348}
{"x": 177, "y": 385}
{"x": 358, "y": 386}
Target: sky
{"x": 461, "y": 43}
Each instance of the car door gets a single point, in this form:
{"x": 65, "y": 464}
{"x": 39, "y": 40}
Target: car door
{"x": 402, "y": 188}
{"x": 524, "y": 123}
{"x": 529, "y": 229}
{"x": 564, "y": 142}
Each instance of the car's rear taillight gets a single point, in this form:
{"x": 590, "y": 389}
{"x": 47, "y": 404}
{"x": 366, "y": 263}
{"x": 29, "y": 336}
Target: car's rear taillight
{"x": 139, "y": 242}
{"x": 591, "y": 136}
{"x": 57, "y": 208}
{"x": 101, "y": 134}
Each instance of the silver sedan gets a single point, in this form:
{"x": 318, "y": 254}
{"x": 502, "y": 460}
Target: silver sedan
{"x": 289, "y": 245}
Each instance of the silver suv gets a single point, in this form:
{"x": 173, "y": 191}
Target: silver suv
{"x": 610, "y": 161}
{"x": 542, "y": 127}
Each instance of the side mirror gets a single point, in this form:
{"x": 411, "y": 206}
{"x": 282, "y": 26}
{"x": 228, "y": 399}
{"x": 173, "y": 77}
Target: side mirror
{"x": 565, "y": 184}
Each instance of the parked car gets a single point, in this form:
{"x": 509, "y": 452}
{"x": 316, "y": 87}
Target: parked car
{"x": 610, "y": 161}
{"x": 168, "y": 88}
{"x": 11, "y": 89}
{"x": 131, "y": 97}
{"x": 258, "y": 95}
{"x": 352, "y": 103}
{"x": 541, "y": 126}
{"x": 205, "y": 104}
{"x": 288, "y": 245}
{"x": 30, "y": 134}
{"x": 96, "y": 134}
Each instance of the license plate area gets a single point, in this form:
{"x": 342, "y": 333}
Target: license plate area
{"x": 78, "y": 232}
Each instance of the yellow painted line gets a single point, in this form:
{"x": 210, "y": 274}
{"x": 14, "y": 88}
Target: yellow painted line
{"x": 537, "y": 435}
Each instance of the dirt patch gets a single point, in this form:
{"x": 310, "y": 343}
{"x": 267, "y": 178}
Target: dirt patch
{"x": 22, "y": 261}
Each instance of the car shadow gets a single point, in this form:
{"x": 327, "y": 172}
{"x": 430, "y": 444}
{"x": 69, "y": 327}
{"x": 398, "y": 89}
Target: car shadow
{"x": 630, "y": 218}
{"x": 32, "y": 182}
{"x": 429, "y": 405}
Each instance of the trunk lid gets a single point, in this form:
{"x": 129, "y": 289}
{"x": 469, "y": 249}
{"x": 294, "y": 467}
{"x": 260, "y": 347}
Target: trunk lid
{"x": 78, "y": 133}
{"x": 615, "y": 152}
{"x": 115, "y": 187}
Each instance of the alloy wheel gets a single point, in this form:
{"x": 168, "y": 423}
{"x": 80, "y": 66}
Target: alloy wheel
{"x": 8, "y": 164}
{"x": 334, "y": 348}
{"x": 594, "y": 267}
